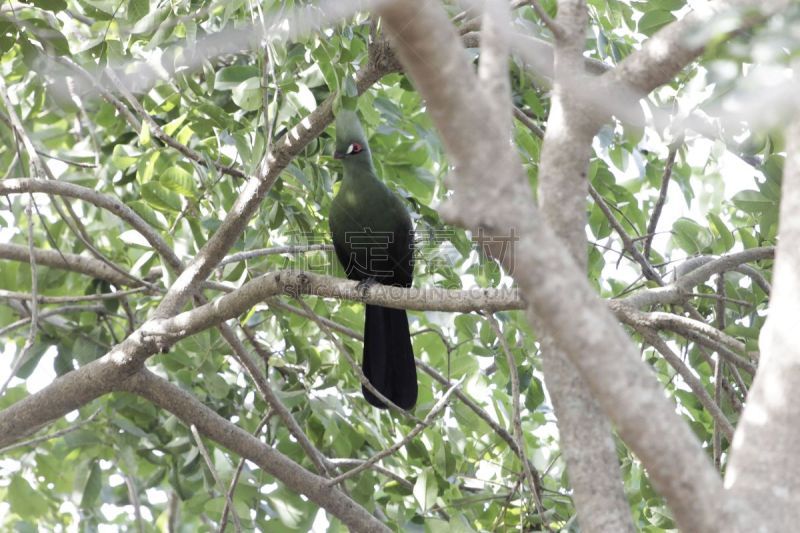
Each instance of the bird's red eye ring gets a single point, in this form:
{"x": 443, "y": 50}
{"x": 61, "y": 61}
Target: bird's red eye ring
{"x": 355, "y": 148}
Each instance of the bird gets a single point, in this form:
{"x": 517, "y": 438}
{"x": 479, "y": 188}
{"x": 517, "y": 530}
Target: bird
{"x": 373, "y": 239}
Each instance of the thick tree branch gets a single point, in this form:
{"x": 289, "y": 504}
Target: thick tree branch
{"x": 71, "y": 391}
{"x": 672, "y": 48}
{"x": 767, "y": 433}
{"x": 585, "y": 433}
{"x": 65, "y": 261}
{"x": 691, "y": 275}
{"x": 493, "y": 66}
{"x": 99, "y": 377}
{"x": 192, "y": 412}
{"x": 602, "y": 352}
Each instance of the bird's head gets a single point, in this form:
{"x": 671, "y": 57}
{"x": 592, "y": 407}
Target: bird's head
{"x": 351, "y": 142}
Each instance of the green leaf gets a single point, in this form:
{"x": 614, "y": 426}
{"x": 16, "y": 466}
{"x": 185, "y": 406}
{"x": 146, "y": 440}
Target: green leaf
{"x": 91, "y": 490}
{"x": 689, "y": 236}
{"x": 124, "y": 156}
{"x": 150, "y": 22}
{"x": 724, "y": 239}
{"x": 137, "y": 10}
{"x": 50, "y": 5}
{"x": 143, "y": 210}
{"x": 216, "y": 386}
{"x": 302, "y": 99}
{"x": 161, "y": 198}
{"x": 652, "y": 21}
{"x": 24, "y": 500}
{"x": 534, "y": 397}
{"x": 51, "y": 39}
{"x": 751, "y": 201}
{"x": 247, "y": 94}
{"x": 34, "y": 356}
{"x": 179, "y": 180}
{"x": 426, "y": 490}
{"x": 229, "y": 78}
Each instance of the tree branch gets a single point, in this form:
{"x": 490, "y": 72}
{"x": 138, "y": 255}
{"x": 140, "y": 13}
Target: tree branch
{"x": 676, "y": 45}
{"x": 720, "y": 420}
{"x": 275, "y": 250}
{"x": 686, "y": 279}
{"x": 435, "y": 410}
{"x": 647, "y": 269}
{"x": 210, "y": 464}
{"x": 603, "y": 354}
{"x": 69, "y": 190}
{"x": 652, "y": 226}
{"x": 381, "y": 62}
{"x": 767, "y": 433}
{"x": 162, "y": 136}
{"x": 101, "y": 376}
{"x": 517, "y": 421}
{"x": 192, "y": 412}
{"x": 65, "y": 261}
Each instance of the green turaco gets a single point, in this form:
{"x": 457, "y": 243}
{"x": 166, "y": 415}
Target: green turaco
{"x": 374, "y": 241}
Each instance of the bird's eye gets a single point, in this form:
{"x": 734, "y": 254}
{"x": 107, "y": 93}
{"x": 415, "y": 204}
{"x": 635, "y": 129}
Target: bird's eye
{"x": 354, "y": 149}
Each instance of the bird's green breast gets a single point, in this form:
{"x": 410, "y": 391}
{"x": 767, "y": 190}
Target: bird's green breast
{"x": 365, "y": 203}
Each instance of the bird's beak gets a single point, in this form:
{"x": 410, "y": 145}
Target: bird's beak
{"x": 338, "y": 155}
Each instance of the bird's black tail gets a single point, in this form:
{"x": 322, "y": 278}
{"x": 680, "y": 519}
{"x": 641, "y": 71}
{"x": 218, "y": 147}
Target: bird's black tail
{"x": 388, "y": 357}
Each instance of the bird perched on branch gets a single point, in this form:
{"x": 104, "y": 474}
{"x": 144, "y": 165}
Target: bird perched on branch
{"x": 374, "y": 242}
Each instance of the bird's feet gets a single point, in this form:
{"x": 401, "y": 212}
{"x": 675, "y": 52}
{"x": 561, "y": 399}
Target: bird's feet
{"x": 364, "y": 285}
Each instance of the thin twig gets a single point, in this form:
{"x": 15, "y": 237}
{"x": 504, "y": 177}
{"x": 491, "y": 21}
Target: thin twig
{"x": 694, "y": 383}
{"x": 347, "y": 462}
{"x": 662, "y": 197}
{"x": 722, "y": 299}
{"x": 439, "y": 406}
{"x": 718, "y": 370}
{"x": 272, "y": 399}
{"x": 435, "y": 374}
{"x": 12, "y": 295}
{"x": 199, "y": 440}
{"x": 133, "y": 495}
{"x": 552, "y": 25}
{"x": 289, "y": 249}
{"x": 223, "y": 521}
{"x": 50, "y": 312}
{"x": 42, "y": 171}
{"x": 516, "y": 417}
{"x": 274, "y": 302}
{"x": 647, "y": 269}
{"x": 355, "y": 366}
{"x": 173, "y": 510}
{"x": 528, "y": 122}
{"x": 161, "y": 135}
